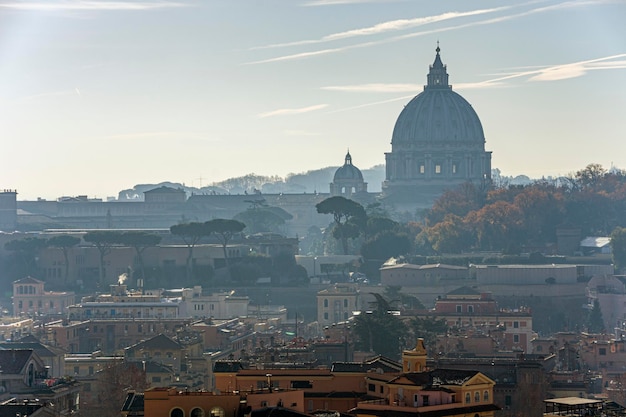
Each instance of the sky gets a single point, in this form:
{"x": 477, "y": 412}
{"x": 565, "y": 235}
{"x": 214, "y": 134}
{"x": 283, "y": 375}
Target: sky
{"x": 97, "y": 96}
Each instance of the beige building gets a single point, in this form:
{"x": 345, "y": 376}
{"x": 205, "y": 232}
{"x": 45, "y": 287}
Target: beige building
{"x": 337, "y": 303}
{"x": 409, "y": 275}
{"x": 30, "y": 297}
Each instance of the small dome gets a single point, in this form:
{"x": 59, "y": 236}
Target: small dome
{"x": 348, "y": 171}
{"x": 438, "y": 115}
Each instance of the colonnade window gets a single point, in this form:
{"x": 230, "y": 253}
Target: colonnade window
{"x": 177, "y": 412}
{"x": 198, "y": 412}
{"x": 217, "y": 412}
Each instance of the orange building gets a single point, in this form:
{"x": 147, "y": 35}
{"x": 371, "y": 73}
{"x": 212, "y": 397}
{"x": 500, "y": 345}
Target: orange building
{"x": 339, "y": 388}
{"x": 418, "y": 391}
{"x": 169, "y": 402}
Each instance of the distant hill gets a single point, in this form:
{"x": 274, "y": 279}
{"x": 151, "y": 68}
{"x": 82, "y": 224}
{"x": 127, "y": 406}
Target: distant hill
{"x": 317, "y": 180}
{"x": 308, "y": 182}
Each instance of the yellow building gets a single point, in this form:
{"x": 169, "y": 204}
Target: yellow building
{"x": 448, "y": 392}
{"x": 336, "y": 303}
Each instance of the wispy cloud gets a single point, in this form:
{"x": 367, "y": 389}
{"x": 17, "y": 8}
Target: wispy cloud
{"x": 499, "y": 19}
{"x": 375, "y": 103}
{"x": 374, "y": 88}
{"x": 287, "y": 112}
{"x": 385, "y": 27}
{"x": 538, "y": 73}
{"x": 90, "y": 5}
{"x": 316, "y": 3}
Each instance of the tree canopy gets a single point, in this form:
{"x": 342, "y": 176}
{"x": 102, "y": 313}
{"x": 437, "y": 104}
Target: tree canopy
{"x": 348, "y": 217}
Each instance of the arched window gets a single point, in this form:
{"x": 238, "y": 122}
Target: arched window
{"x": 217, "y": 412}
{"x": 486, "y": 396}
{"x": 177, "y": 412}
{"x": 197, "y": 412}
{"x": 477, "y": 397}
{"x": 468, "y": 398}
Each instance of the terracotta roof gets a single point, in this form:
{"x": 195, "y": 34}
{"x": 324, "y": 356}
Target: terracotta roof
{"x": 436, "y": 377}
{"x": 374, "y": 364}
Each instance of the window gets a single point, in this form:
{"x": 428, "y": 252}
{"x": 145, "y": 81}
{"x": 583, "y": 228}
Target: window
{"x": 470, "y": 309}
{"x": 454, "y": 168}
{"x": 326, "y": 302}
{"x": 301, "y": 384}
{"x": 516, "y": 324}
{"x": 507, "y": 400}
{"x": 325, "y": 316}
{"x": 459, "y": 309}
{"x": 437, "y": 169}
{"x": 422, "y": 169}
{"x": 371, "y": 387}
{"x": 177, "y": 412}
{"x": 486, "y": 396}
{"x": 477, "y": 397}
{"x": 345, "y": 302}
{"x": 156, "y": 379}
{"x": 199, "y": 412}
{"x": 425, "y": 401}
{"x": 515, "y": 338}
{"x": 468, "y": 398}
{"x": 602, "y": 351}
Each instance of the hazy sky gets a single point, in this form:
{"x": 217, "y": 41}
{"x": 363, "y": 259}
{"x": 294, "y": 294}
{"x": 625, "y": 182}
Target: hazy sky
{"x": 97, "y": 96}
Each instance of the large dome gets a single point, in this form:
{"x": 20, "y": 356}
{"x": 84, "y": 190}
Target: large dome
{"x": 438, "y": 115}
{"x": 438, "y": 143}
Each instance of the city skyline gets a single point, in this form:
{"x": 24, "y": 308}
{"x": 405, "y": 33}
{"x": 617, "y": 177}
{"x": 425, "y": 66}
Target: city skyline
{"x": 98, "y": 96}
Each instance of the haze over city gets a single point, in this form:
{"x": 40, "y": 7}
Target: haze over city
{"x": 98, "y": 96}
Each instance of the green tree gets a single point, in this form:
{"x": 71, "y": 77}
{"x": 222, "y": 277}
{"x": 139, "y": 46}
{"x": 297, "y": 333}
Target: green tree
{"x": 618, "y": 247}
{"x": 595, "y": 322}
{"x": 343, "y": 210}
{"x": 103, "y": 240}
{"x": 380, "y": 330}
{"x": 395, "y": 294}
{"x": 429, "y": 328}
{"x": 140, "y": 241}
{"x": 224, "y": 230}
{"x": 65, "y": 243}
{"x": 385, "y": 245}
{"x": 191, "y": 233}
{"x": 26, "y": 251}
{"x": 263, "y": 219}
